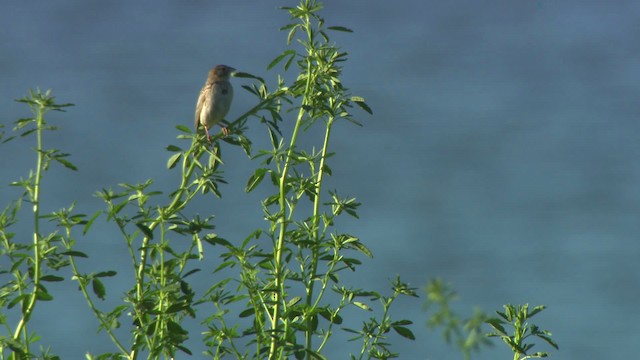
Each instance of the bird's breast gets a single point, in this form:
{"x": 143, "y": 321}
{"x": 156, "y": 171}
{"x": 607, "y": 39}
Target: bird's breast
{"x": 219, "y": 101}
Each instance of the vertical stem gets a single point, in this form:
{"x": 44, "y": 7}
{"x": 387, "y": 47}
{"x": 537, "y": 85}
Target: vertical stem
{"x": 35, "y": 199}
{"x": 316, "y": 229}
{"x": 175, "y": 206}
{"x": 190, "y": 161}
{"x": 279, "y": 281}
{"x": 83, "y": 288}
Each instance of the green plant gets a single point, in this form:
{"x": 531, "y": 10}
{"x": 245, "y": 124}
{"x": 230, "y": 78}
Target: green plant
{"x": 289, "y": 269}
{"x": 275, "y": 294}
{"x": 517, "y": 317}
{"x": 467, "y": 334}
{"x": 29, "y": 265}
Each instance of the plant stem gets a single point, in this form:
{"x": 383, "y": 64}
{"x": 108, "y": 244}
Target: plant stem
{"x": 83, "y": 288}
{"x": 176, "y": 205}
{"x": 278, "y": 273}
{"x": 35, "y": 199}
{"x": 189, "y": 163}
{"x": 316, "y": 229}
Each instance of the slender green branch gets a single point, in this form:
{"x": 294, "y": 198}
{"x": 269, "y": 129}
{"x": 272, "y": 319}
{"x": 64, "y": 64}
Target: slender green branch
{"x": 190, "y": 162}
{"x": 316, "y": 230}
{"x": 83, "y": 288}
{"x": 35, "y": 199}
{"x": 279, "y": 292}
{"x": 176, "y": 205}
{"x": 282, "y": 188}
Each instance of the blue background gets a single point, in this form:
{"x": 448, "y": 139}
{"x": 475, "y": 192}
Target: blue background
{"x": 502, "y": 155}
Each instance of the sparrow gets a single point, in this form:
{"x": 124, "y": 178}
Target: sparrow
{"x": 215, "y": 99}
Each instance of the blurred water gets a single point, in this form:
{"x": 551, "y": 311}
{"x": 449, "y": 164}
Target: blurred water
{"x": 502, "y": 155}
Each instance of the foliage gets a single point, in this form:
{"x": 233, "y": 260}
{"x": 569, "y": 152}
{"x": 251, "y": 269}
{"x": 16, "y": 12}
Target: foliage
{"x": 466, "y": 334}
{"x": 517, "y": 317}
{"x": 275, "y": 294}
{"x": 31, "y": 265}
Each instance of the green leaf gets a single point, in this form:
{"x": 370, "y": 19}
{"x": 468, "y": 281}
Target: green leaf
{"x": 146, "y": 230}
{"x": 27, "y": 132}
{"x": 173, "y": 148}
{"x": 497, "y": 325}
{"x": 503, "y": 315}
{"x": 290, "y": 36}
{"x": 52, "y": 278}
{"x": 549, "y": 341}
{"x": 183, "y": 128}
{"x": 288, "y": 53}
{"x": 75, "y": 253}
{"x": 361, "y": 305}
{"x": 288, "y": 26}
{"x": 363, "y": 105}
{"x": 184, "y": 349}
{"x": 250, "y": 89}
{"x": 404, "y": 332}
{"x": 361, "y": 247}
{"x": 401, "y": 322}
{"x": 175, "y": 328}
{"x": 294, "y": 301}
{"x": 247, "y": 312}
{"x": 43, "y": 295}
{"x": 20, "y": 123}
{"x": 173, "y": 160}
{"x": 340, "y": 28}
{"x": 109, "y": 273}
{"x": 65, "y": 163}
{"x": 190, "y": 272}
{"x": 87, "y": 226}
{"x": 7, "y": 139}
{"x": 510, "y": 311}
{"x": 327, "y": 170}
{"x": 351, "y": 330}
{"x": 20, "y": 258}
{"x": 536, "y": 355}
{"x": 350, "y": 262}
{"x": 98, "y": 288}
{"x": 214, "y": 240}
{"x": 175, "y": 308}
{"x": 255, "y": 179}
{"x": 536, "y": 310}
{"x": 224, "y": 265}
{"x": 240, "y": 74}
{"x": 16, "y": 300}
{"x": 274, "y": 138}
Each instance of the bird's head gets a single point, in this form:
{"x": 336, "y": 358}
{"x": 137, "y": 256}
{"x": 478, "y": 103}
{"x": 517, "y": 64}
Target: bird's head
{"x": 221, "y": 72}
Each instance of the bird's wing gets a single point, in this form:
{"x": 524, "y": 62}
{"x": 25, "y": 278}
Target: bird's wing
{"x": 196, "y": 123}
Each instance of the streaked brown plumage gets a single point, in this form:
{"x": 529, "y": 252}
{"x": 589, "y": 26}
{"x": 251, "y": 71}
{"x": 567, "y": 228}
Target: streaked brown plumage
{"x": 215, "y": 99}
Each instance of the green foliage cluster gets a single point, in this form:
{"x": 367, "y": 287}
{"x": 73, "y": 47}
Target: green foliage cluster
{"x": 277, "y": 293}
{"x": 517, "y": 317}
{"x": 468, "y": 335}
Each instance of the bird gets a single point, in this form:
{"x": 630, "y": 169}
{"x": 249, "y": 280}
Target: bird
{"x": 215, "y": 99}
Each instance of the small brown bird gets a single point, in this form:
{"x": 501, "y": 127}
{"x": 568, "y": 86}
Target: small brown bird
{"x": 215, "y": 99}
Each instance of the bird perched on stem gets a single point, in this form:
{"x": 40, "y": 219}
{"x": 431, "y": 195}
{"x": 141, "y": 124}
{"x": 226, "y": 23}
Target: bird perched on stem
{"x": 215, "y": 99}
